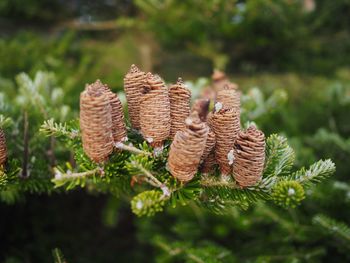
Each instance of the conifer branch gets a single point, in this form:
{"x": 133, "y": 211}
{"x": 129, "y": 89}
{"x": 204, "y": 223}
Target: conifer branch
{"x": 52, "y": 128}
{"x": 316, "y": 173}
{"x": 5, "y": 121}
{"x": 59, "y": 176}
{"x": 279, "y": 156}
{"x": 151, "y": 178}
{"x": 58, "y": 256}
{"x": 212, "y": 182}
{"x": 334, "y": 227}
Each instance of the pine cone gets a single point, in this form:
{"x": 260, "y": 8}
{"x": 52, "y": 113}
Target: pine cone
{"x": 155, "y": 111}
{"x": 226, "y": 125}
{"x": 208, "y": 156}
{"x": 117, "y": 114}
{"x": 221, "y": 81}
{"x": 229, "y": 98}
{"x": 249, "y": 156}
{"x": 209, "y": 161}
{"x": 133, "y": 82}
{"x": 210, "y": 120}
{"x": 180, "y": 98}
{"x": 202, "y": 107}
{"x": 3, "y": 148}
{"x": 96, "y": 123}
{"x": 209, "y": 145}
{"x": 187, "y": 148}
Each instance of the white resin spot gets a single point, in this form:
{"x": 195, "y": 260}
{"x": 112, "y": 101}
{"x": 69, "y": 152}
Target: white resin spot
{"x": 188, "y": 121}
{"x": 165, "y": 190}
{"x": 218, "y": 106}
{"x": 230, "y": 157}
{"x": 139, "y": 205}
{"x": 118, "y": 145}
{"x": 291, "y": 191}
{"x": 58, "y": 174}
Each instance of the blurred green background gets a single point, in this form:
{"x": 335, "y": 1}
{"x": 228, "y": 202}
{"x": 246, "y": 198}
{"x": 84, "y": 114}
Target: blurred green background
{"x": 298, "y": 47}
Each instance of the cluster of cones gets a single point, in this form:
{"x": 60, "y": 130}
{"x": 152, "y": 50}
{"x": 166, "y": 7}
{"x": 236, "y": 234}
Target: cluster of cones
{"x": 200, "y": 138}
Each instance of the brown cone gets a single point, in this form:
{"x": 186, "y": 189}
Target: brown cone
{"x": 209, "y": 145}
{"x": 180, "y": 97}
{"x": 187, "y": 148}
{"x": 226, "y": 125}
{"x": 3, "y": 148}
{"x": 221, "y": 81}
{"x": 96, "y": 123}
{"x": 134, "y": 80}
{"x": 155, "y": 111}
{"x": 210, "y": 120}
{"x": 201, "y": 106}
{"x": 117, "y": 114}
{"x": 249, "y": 157}
{"x": 229, "y": 98}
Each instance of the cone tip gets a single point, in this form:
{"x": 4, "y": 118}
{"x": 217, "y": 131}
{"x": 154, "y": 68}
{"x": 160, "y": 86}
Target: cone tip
{"x": 134, "y": 69}
{"x": 180, "y": 81}
{"x": 218, "y": 75}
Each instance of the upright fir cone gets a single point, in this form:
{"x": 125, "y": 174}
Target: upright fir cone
{"x": 117, "y": 114}
{"x": 202, "y": 107}
{"x": 220, "y": 81}
{"x": 134, "y": 80}
{"x": 210, "y": 120}
{"x": 209, "y": 145}
{"x": 229, "y": 98}
{"x": 208, "y": 158}
{"x": 187, "y": 148}
{"x": 249, "y": 156}
{"x": 3, "y": 148}
{"x": 155, "y": 111}
{"x": 96, "y": 123}
{"x": 180, "y": 97}
{"x": 226, "y": 125}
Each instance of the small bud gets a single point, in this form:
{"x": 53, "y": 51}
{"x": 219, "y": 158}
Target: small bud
{"x": 230, "y": 157}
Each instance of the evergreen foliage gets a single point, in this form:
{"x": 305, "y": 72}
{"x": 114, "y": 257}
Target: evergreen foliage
{"x": 333, "y": 227}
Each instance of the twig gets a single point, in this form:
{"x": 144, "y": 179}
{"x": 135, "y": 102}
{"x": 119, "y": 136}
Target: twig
{"x": 152, "y": 179}
{"x": 207, "y": 182}
{"x": 59, "y": 176}
{"x": 130, "y": 148}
